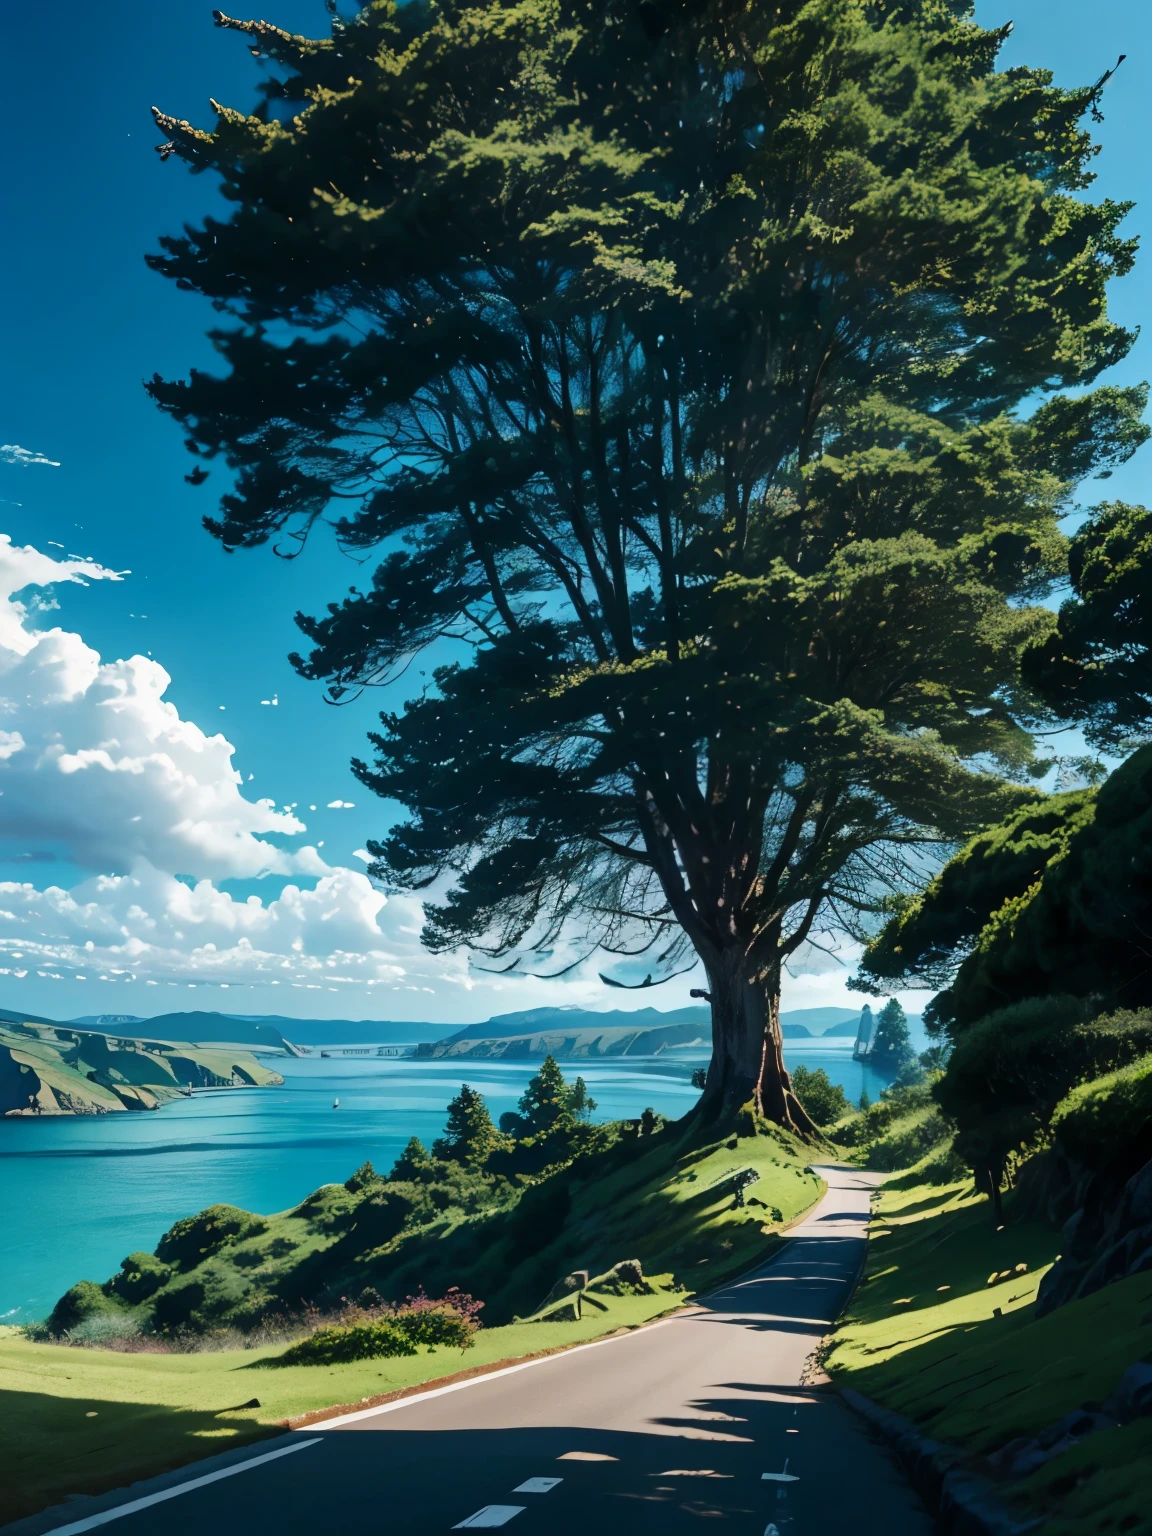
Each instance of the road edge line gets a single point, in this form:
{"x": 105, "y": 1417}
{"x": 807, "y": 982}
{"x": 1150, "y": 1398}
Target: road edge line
{"x": 90, "y": 1522}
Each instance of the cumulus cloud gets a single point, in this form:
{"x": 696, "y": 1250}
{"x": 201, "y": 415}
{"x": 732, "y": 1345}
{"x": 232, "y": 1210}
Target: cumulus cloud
{"x": 94, "y": 759}
{"x": 151, "y": 926}
{"x": 12, "y": 453}
{"x": 91, "y": 753}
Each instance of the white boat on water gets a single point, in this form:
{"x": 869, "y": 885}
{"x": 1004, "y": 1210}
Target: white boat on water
{"x": 335, "y": 1103}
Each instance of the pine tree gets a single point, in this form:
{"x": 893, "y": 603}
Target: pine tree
{"x": 546, "y": 1104}
{"x": 469, "y": 1135}
{"x": 892, "y": 1043}
{"x": 680, "y": 364}
{"x": 412, "y": 1162}
{"x": 580, "y": 1101}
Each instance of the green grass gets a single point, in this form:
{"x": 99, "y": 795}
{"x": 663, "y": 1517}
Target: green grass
{"x": 157, "y": 1412}
{"x": 668, "y": 1204}
{"x": 975, "y": 1381}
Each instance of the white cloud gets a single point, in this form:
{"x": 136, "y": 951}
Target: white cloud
{"x": 341, "y": 805}
{"x": 92, "y": 755}
{"x": 151, "y": 926}
{"x": 11, "y": 453}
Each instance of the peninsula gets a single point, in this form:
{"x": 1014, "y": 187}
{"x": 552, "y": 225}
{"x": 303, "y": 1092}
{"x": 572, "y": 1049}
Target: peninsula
{"x": 58, "y": 1069}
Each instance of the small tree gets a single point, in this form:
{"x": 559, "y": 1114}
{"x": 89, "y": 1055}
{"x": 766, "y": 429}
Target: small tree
{"x": 580, "y": 1101}
{"x": 545, "y": 1105}
{"x": 824, "y": 1100}
{"x": 412, "y": 1162}
{"x": 864, "y": 1102}
{"x": 469, "y": 1136}
{"x": 892, "y": 1043}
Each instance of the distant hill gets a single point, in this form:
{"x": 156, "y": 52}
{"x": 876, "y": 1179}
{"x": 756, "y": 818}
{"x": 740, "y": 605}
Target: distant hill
{"x": 58, "y": 1069}
{"x": 107, "y": 1018}
{"x": 199, "y": 1028}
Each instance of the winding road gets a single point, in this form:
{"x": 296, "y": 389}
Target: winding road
{"x": 697, "y": 1420}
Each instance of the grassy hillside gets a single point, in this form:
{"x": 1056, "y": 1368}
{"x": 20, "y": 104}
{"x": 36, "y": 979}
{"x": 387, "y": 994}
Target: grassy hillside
{"x": 922, "y": 1339}
{"x": 662, "y": 1199}
{"x": 54, "y": 1069}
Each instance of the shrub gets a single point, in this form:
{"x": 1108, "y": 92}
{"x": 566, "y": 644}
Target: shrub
{"x": 84, "y": 1300}
{"x": 1008, "y": 1073}
{"x": 337, "y": 1345}
{"x": 1106, "y": 1125}
{"x": 825, "y": 1101}
{"x": 141, "y": 1276}
{"x": 363, "y": 1179}
{"x": 196, "y": 1237}
{"x": 390, "y": 1332}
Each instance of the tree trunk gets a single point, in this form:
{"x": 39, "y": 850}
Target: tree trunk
{"x": 747, "y": 1064}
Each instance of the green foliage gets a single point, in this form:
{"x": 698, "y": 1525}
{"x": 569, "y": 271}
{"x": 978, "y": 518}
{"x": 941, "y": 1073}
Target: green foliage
{"x": 1097, "y": 664}
{"x": 825, "y": 1101}
{"x": 364, "y": 1178}
{"x": 681, "y": 390}
{"x": 397, "y": 1332}
{"x": 1054, "y": 901}
{"x": 413, "y": 1163}
{"x": 891, "y": 1040}
{"x": 546, "y": 1103}
{"x": 469, "y": 1135}
{"x": 929, "y": 933}
{"x": 1106, "y": 1125}
{"x": 82, "y": 1301}
{"x": 580, "y": 1101}
{"x": 141, "y": 1276}
{"x": 1008, "y": 1073}
{"x": 188, "y": 1241}
{"x": 356, "y": 1341}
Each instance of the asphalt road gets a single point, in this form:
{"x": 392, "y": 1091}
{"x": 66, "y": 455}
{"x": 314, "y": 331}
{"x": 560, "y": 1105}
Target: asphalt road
{"x": 666, "y": 1429}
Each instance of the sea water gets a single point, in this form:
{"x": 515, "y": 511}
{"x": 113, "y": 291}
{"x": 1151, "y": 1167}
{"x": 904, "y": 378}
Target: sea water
{"x": 78, "y": 1194}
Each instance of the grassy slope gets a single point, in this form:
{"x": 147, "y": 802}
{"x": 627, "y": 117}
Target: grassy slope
{"x": 156, "y": 1412}
{"x": 975, "y": 1381}
{"x": 668, "y": 1205}
{"x": 144, "y": 1078}
{"x": 664, "y": 1201}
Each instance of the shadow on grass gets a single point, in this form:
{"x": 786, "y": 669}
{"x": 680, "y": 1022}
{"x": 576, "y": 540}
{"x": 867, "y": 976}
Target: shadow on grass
{"x": 55, "y": 1447}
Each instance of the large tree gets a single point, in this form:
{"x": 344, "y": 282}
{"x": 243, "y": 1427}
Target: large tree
{"x": 668, "y": 357}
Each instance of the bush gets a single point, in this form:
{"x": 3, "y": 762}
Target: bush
{"x": 141, "y": 1276}
{"x": 196, "y": 1237}
{"x": 1008, "y": 1073}
{"x": 84, "y": 1300}
{"x": 364, "y": 1178}
{"x": 1106, "y": 1125}
{"x": 825, "y": 1101}
{"x": 390, "y": 1332}
{"x": 337, "y": 1345}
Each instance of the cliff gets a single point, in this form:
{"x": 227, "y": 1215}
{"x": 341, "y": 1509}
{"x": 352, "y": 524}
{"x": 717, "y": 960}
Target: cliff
{"x": 55, "y": 1069}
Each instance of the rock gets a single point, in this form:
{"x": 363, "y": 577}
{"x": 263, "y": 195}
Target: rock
{"x": 625, "y": 1277}
{"x": 1132, "y": 1399}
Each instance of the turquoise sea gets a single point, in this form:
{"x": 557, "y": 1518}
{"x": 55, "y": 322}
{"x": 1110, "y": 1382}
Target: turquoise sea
{"x": 76, "y": 1195}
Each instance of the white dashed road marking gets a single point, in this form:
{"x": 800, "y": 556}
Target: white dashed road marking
{"x": 491, "y": 1515}
{"x": 538, "y": 1485}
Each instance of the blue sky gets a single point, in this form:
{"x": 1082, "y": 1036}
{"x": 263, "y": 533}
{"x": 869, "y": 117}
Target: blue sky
{"x": 84, "y": 323}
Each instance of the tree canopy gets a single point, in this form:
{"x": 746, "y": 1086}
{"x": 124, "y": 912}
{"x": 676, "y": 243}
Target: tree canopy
{"x": 1096, "y": 666}
{"x": 667, "y": 361}
{"x": 891, "y": 1048}
{"x": 1056, "y": 900}
{"x": 469, "y": 1135}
